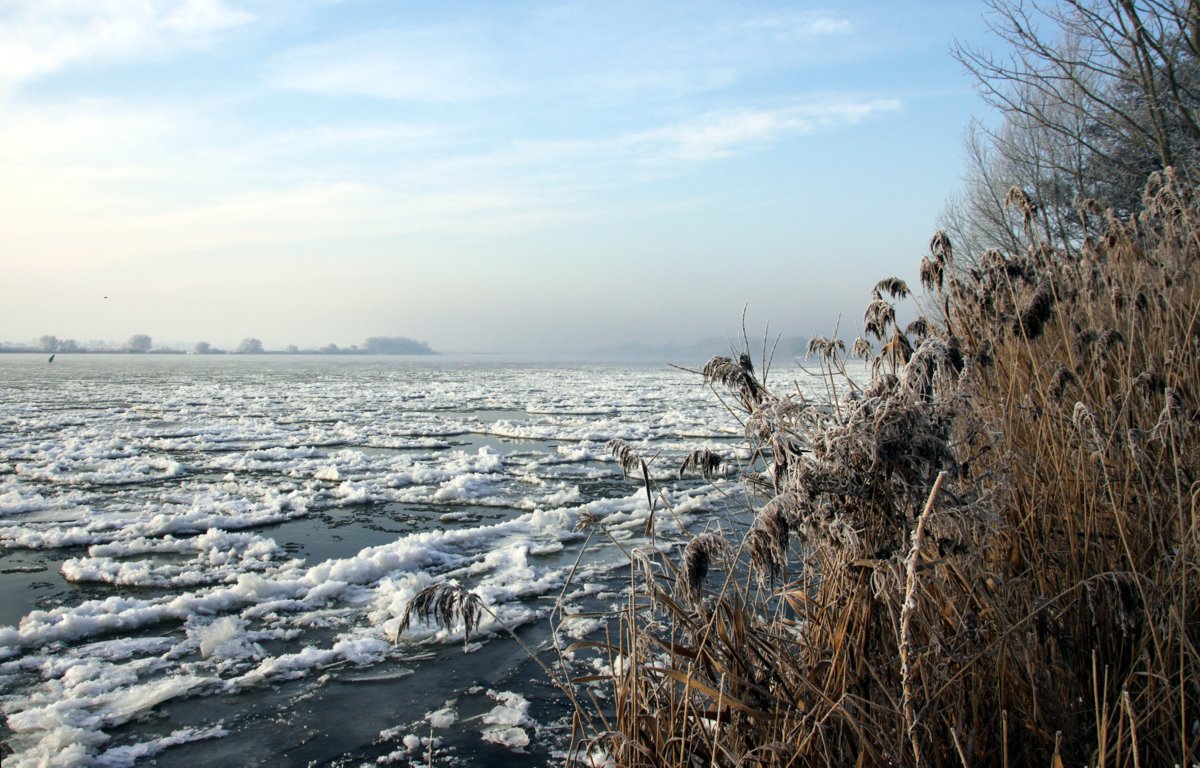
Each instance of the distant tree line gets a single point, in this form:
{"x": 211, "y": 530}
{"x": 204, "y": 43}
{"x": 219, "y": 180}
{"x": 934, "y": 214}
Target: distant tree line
{"x": 376, "y": 345}
{"x": 396, "y": 345}
{"x": 137, "y": 344}
{"x": 143, "y": 344}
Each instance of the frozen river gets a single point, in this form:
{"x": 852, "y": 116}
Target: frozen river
{"x": 204, "y": 560}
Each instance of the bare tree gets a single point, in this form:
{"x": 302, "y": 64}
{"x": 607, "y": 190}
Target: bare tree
{"x": 49, "y": 343}
{"x": 140, "y": 343}
{"x": 249, "y": 347}
{"x": 1096, "y": 95}
{"x": 396, "y": 345}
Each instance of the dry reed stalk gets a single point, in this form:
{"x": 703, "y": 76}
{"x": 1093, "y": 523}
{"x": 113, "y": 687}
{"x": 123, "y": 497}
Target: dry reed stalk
{"x": 906, "y": 614}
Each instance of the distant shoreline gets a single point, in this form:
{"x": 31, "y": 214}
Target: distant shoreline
{"x": 340, "y": 352}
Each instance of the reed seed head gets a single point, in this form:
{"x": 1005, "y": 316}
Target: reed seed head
{"x": 1150, "y": 381}
{"x": 1118, "y": 297}
{"x": 1033, "y": 318}
{"x": 862, "y": 348}
{"x": 878, "y": 317}
{"x": 918, "y": 329}
{"x": 1109, "y": 340}
{"x": 768, "y": 544}
{"x": 445, "y": 604}
{"x": 825, "y": 347}
{"x": 893, "y": 286}
{"x": 932, "y": 274}
{"x": 737, "y": 377}
{"x": 703, "y": 461}
{"x": 625, "y": 454}
{"x": 1019, "y": 199}
{"x": 1059, "y": 382}
{"x": 693, "y": 570}
{"x": 1084, "y": 341}
{"x": 1083, "y": 418}
{"x": 940, "y": 247}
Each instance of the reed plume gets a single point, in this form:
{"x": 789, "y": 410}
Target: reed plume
{"x": 738, "y": 377}
{"x": 941, "y": 247}
{"x": 693, "y": 567}
{"x": 862, "y": 348}
{"x": 917, "y": 329}
{"x": 1019, "y": 199}
{"x": 893, "y": 286}
{"x": 1037, "y": 312}
{"x": 626, "y": 455}
{"x": 825, "y": 348}
{"x": 445, "y": 604}
{"x": 703, "y": 461}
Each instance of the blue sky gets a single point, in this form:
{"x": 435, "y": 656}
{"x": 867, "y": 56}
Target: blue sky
{"x": 524, "y": 176}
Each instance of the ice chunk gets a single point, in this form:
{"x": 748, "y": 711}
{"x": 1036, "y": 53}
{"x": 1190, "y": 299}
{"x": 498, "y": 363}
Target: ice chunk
{"x": 327, "y": 473}
{"x": 125, "y": 757}
{"x": 223, "y": 639}
{"x": 357, "y": 649}
{"x": 511, "y": 710}
{"x": 505, "y": 736}
{"x": 442, "y": 718}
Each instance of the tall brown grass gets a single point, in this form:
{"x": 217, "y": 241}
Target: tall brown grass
{"x": 986, "y": 556}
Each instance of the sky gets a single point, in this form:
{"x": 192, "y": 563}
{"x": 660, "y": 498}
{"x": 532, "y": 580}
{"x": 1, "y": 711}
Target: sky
{"x": 516, "y": 176}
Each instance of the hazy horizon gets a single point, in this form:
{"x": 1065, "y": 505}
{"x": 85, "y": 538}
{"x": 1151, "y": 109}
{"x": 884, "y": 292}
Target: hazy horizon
{"x": 777, "y": 345}
{"x": 528, "y": 178}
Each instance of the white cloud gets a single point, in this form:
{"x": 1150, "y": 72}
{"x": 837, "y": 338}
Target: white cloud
{"x": 797, "y": 26}
{"x": 708, "y": 136}
{"x": 721, "y": 134}
{"x": 825, "y": 25}
{"x": 39, "y": 37}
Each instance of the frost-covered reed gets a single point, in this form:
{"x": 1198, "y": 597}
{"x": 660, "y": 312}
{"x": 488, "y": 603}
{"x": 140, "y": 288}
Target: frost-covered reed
{"x": 985, "y": 556}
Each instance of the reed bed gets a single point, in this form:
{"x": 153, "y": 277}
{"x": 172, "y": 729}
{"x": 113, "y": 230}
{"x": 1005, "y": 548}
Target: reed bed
{"x": 986, "y": 556}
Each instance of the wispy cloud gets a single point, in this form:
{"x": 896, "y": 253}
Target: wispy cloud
{"x": 39, "y": 37}
{"x": 583, "y": 51}
{"x": 434, "y": 63}
{"x": 681, "y": 146}
{"x": 722, "y": 134}
{"x": 799, "y": 26}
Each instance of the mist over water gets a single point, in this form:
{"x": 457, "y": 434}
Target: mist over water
{"x": 208, "y": 557}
